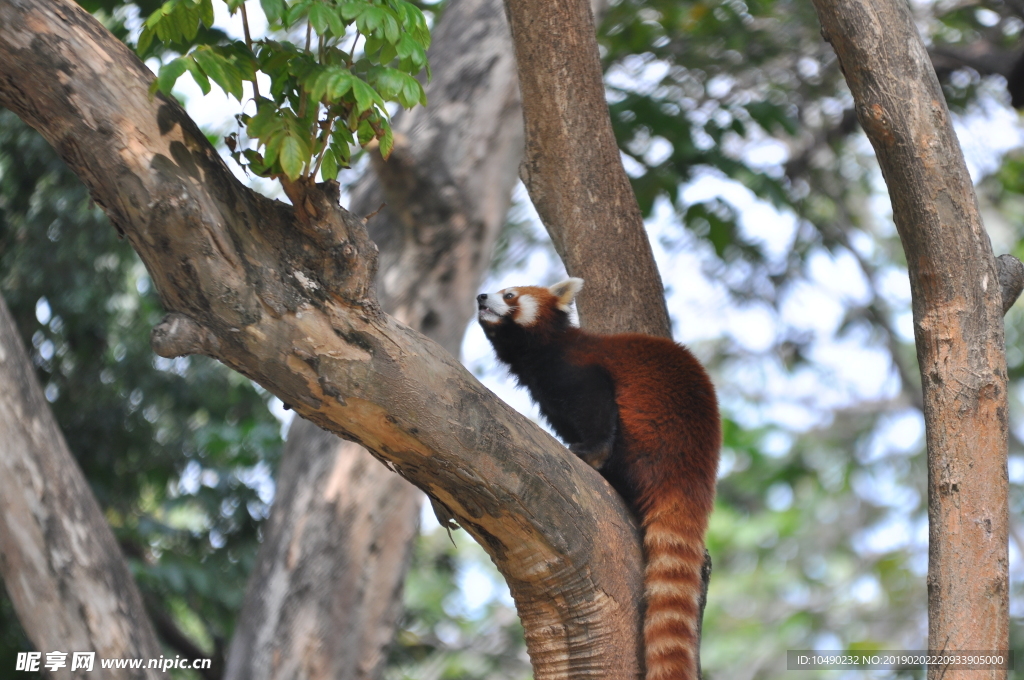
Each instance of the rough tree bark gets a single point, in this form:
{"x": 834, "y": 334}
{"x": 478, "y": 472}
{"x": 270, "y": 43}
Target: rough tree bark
{"x": 958, "y": 306}
{"x": 61, "y": 564}
{"x": 448, "y": 186}
{"x": 285, "y": 297}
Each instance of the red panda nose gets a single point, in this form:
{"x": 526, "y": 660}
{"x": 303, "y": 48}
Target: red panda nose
{"x": 481, "y": 298}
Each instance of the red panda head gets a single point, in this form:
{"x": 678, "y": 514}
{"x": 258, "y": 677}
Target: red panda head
{"x": 527, "y": 306}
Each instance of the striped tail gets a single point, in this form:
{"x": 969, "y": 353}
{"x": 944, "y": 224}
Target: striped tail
{"x": 674, "y": 547}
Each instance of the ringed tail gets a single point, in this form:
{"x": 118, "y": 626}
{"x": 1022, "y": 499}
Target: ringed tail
{"x": 674, "y": 549}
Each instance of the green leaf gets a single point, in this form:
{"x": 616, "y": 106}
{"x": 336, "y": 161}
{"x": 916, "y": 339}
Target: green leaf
{"x": 264, "y": 121}
{"x": 157, "y": 16}
{"x": 296, "y": 12}
{"x": 387, "y": 141}
{"x": 365, "y": 133}
{"x": 329, "y": 167}
{"x": 371, "y": 45}
{"x": 398, "y": 86}
{"x": 318, "y": 16}
{"x": 387, "y": 53}
{"x": 256, "y": 162}
{"x": 388, "y": 81}
{"x": 145, "y": 40}
{"x": 364, "y": 95}
{"x": 222, "y": 71}
{"x": 206, "y": 10}
{"x": 412, "y": 93}
{"x": 274, "y": 9}
{"x": 350, "y": 10}
{"x": 390, "y": 28}
{"x": 197, "y": 74}
{"x": 408, "y": 48}
{"x": 370, "y": 20}
{"x": 169, "y": 74}
{"x": 273, "y": 147}
{"x": 405, "y": 46}
{"x": 293, "y": 157}
{"x": 339, "y": 83}
{"x": 337, "y": 23}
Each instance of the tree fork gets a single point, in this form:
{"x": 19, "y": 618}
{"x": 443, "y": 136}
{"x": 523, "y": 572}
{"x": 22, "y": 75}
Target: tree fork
{"x": 959, "y": 293}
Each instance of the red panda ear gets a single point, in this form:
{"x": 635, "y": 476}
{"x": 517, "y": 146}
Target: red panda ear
{"x": 566, "y": 291}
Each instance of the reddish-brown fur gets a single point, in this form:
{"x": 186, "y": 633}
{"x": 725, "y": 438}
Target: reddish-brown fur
{"x": 664, "y": 458}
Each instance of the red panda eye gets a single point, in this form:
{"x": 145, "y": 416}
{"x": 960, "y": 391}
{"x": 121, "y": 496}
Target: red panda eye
{"x": 509, "y": 296}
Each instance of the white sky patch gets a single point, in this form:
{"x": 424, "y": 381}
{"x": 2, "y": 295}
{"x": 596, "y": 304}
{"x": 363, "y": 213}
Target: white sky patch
{"x": 658, "y": 151}
{"x": 753, "y": 327}
{"x": 637, "y": 73}
{"x": 893, "y": 533}
{"x": 899, "y": 433}
{"x": 840, "y": 274}
{"x": 987, "y": 132}
{"x": 759, "y": 221}
{"x": 1016, "y": 469}
{"x": 806, "y": 307}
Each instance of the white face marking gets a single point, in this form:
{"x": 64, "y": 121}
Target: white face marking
{"x": 493, "y": 307}
{"x": 527, "y": 310}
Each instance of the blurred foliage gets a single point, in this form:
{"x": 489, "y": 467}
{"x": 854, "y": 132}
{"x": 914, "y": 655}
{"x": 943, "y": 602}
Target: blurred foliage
{"x": 459, "y": 620}
{"x": 179, "y": 453}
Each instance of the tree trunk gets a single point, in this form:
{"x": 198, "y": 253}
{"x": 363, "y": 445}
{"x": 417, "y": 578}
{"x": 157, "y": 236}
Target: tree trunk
{"x": 63, "y": 570}
{"x": 326, "y": 592}
{"x": 574, "y": 172}
{"x": 285, "y": 297}
{"x": 958, "y": 305}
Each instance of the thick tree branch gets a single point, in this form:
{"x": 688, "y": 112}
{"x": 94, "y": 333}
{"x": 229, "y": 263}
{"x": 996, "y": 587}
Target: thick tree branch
{"x": 58, "y": 558}
{"x": 288, "y": 299}
{"x": 958, "y": 309}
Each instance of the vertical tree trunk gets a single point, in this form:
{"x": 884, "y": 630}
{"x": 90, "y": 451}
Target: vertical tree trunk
{"x": 574, "y": 173}
{"x": 326, "y": 592}
{"x": 958, "y": 320}
{"x": 64, "y": 572}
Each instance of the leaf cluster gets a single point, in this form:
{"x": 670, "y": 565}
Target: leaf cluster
{"x": 326, "y": 95}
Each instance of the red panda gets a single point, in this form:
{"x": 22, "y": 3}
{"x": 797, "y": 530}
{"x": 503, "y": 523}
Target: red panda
{"x": 643, "y": 411}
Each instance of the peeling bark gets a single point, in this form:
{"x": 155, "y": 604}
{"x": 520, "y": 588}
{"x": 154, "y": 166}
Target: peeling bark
{"x": 958, "y": 305}
{"x": 68, "y": 580}
{"x": 285, "y": 297}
